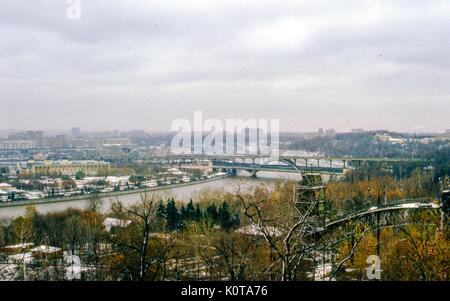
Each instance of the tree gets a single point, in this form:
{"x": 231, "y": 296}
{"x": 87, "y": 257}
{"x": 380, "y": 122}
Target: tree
{"x": 2, "y": 235}
{"x": 183, "y": 214}
{"x": 69, "y": 184}
{"x": 190, "y": 211}
{"x": 288, "y": 243}
{"x": 172, "y": 215}
{"x": 198, "y": 213}
{"x": 211, "y": 213}
{"x": 94, "y": 203}
{"x": 143, "y": 214}
{"x": 161, "y": 210}
{"x": 118, "y": 210}
{"x": 225, "y": 218}
{"x": 91, "y": 233}
{"x": 72, "y": 231}
{"x": 138, "y": 255}
{"x": 80, "y": 175}
{"x": 236, "y": 253}
{"x": 22, "y": 231}
{"x": 137, "y": 180}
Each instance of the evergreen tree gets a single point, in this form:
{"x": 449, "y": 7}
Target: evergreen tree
{"x": 182, "y": 218}
{"x": 80, "y": 175}
{"x": 236, "y": 221}
{"x": 225, "y": 219}
{"x": 172, "y": 215}
{"x": 198, "y": 213}
{"x": 161, "y": 210}
{"x": 211, "y": 213}
{"x": 190, "y": 211}
{"x": 183, "y": 213}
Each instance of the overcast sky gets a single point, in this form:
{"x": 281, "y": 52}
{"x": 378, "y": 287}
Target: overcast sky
{"x": 141, "y": 64}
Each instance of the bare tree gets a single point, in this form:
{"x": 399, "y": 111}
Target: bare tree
{"x": 144, "y": 212}
{"x": 22, "y": 231}
{"x": 351, "y": 253}
{"x": 94, "y": 203}
{"x": 235, "y": 252}
{"x": 293, "y": 247}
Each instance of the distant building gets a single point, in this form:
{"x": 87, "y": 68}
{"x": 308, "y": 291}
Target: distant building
{"x": 28, "y": 135}
{"x": 357, "y": 131}
{"x": 39, "y": 157}
{"x": 117, "y": 181}
{"x": 136, "y": 133}
{"x": 17, "y": 144}
{"x": 57, "y": 141}
{"x": 6, "y": 186}
{"x": 68, "y": 168}
{"x": 330, "y": 131}
{"x": 118, "y": 141}
{"x": 321, "y": 131}
{"x": 389, "y": 139}
{"x": 3, "y": 195}
{"x": 76, "y": 132}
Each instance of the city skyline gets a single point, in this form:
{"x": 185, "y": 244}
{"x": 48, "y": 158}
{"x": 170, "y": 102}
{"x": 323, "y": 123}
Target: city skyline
{"x": 140, "y": 65}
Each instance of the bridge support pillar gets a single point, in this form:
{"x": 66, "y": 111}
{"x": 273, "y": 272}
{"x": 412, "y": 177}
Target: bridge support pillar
{"x": 444, "y": 222}
{"x": 445, "y": 205}
{"x": 378, "y": 227}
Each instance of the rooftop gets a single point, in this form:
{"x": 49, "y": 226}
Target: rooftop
{"x": 110, "y": 222}
{"x": 19, "y": 246}
{"x": 46, "y": 249}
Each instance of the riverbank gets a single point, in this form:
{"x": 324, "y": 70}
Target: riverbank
{"x": 106, "y": 194}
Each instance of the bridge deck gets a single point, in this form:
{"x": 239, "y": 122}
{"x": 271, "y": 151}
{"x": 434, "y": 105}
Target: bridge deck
{"x": 393, "y": 206}
{"x": 275, "y": 167}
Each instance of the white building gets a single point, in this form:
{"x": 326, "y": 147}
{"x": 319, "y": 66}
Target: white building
{"x": 110, "y": 223}
{"x": 389, "y": 139}
{"x": 118, "y": 181}
{"x": 3, "y": 196}
{"x": 5, "y": 186}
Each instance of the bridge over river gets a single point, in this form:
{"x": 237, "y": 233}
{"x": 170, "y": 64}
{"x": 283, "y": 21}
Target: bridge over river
{"x": 253, "y": 168}
{"x": 299, "y": 164}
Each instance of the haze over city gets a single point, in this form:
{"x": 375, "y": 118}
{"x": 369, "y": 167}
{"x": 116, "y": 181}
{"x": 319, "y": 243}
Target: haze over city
{"x": 142, "y": 64}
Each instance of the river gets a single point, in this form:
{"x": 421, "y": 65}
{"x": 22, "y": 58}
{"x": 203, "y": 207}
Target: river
{"x": 184, "y": 193}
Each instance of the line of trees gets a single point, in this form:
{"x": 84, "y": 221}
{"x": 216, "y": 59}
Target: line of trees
{"x": 177, "y": 219}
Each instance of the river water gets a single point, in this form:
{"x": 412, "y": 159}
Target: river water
{"x": 184, "y": 193}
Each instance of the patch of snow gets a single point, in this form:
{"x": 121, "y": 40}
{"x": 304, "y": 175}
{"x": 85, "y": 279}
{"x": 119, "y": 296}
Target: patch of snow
{"x": 109, "y": 223}
{"x": 254, "y": 230}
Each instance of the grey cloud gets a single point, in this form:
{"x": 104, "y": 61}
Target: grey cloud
{"x": 129, "y": 64}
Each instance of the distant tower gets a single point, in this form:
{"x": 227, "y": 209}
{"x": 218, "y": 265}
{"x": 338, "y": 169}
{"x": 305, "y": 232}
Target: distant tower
{"x": 76, "y": 132}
